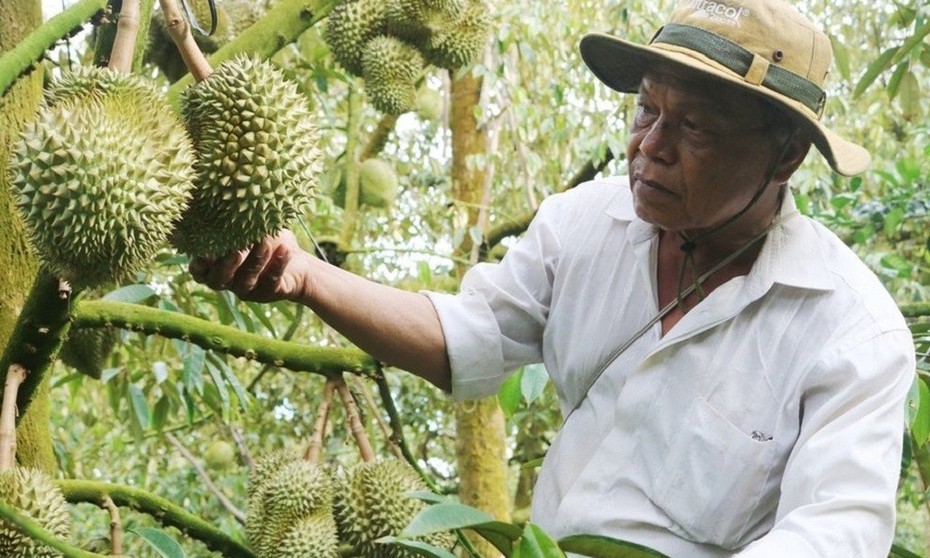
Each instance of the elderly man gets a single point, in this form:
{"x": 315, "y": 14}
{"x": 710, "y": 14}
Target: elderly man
{"x": 732, "y": 376}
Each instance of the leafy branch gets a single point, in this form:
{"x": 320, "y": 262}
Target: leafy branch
{"x": 167, "y": 513}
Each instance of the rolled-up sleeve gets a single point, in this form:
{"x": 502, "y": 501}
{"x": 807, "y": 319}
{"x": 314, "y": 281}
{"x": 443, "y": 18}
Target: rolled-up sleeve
{"x": 839, "y": 484}
{"x": 496, "y": 321}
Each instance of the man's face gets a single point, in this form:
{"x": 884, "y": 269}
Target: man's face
{"x": 698, "y": 151}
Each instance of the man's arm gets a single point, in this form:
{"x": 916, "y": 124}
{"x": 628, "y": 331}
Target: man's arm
{"x": 400, "y": 328}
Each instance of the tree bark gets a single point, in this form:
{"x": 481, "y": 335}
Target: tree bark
{"x": 18, "y": 265}
{"x": 481, "y": 440}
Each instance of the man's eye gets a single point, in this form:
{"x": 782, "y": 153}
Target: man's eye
{"x": 644, "y": 115}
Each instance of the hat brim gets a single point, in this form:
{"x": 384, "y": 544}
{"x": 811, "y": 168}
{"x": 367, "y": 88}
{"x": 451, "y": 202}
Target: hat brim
{"x": 621, "y": 64}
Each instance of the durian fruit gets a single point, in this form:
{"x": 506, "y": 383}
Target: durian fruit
{"x": 100, "y": 176}
{"x": 462, "y": 43}
{"x": 32, "y": 493}
{"x": 313, "y": 536}
{"x": 88, "y": 349}
{"x": 258, "y": 159}
{"x": 378, "y": 183}
{"x": 428, "y": 104}
{"x": 391, "y": 68}
{"x": 378, "y": 505}
{"x": 419, "y": 17}
{"x": 265, "y": 469}
{"x": 220, "y": 454}
{"x": 351, "y": 24}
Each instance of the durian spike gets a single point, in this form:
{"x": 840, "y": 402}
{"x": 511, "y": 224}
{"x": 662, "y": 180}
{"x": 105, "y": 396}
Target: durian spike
{"x": 180, "y": 32}
{"x": 124, "y": 43}
{"x": 15, "y": 376}
{"x": 315, "y": 447}
{"x": 355, "y": 423}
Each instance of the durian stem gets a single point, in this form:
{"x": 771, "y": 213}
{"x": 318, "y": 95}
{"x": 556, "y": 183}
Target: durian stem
{"x": 379, "y": 137}
{"x": 15, "y": 376}
{"x": 124, "y": 45}
{"x": 379, "y": 418}
{"x": 915, "y": 310}
{"x": 34, "y": 530}
{"x": 19, "y": 60}
{"x": 167, "y": 513}
{"x": 206, "y": 479}
{"x": 180, "y": 33}
{"x": 355, "y": 422}
{"x": 315, "y": 447}
{"x": 328, "y": 361}
{"x": 116, "y": 526}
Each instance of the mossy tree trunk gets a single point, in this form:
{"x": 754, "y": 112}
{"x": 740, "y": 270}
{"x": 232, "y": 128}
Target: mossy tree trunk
{"x": 17, "y": 265}
{"x": 480, "y": 425}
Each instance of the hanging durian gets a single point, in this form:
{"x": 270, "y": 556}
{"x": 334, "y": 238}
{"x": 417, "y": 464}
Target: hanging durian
{"x": 100, "y": 176}
{"x": 378, "y": 504}
{"x": 462, "y": 43}
{"x": 88, "y": 349}
{"x": 428, "y": 104}
{"x": 391, "y": 68}
{"x": 257, "y": 157}
{"x": 351, "y": 24}
{"x": 313, "y": 536}
{"x": 378, "y": 183}
{"x": 31, "y": 492}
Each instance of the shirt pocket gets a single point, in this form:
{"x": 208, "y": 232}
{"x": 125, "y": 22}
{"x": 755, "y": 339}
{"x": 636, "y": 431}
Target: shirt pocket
{"x": 713, "y": 477}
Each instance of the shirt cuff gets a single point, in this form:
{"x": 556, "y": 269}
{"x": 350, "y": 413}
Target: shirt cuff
{"x": 473, "y": 342}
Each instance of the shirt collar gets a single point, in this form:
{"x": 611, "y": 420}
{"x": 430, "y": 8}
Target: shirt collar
{"x": 789, "y": 257}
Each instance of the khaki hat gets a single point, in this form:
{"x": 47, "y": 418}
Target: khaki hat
{"x": 763, "y": 46}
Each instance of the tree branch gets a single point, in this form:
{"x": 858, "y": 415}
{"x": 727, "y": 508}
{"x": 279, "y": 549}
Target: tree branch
{"x": 14, "y": 378}
{"x": 116, "y": 526}
{"x": 379, "y": 418}
{"x": 167, "y": 513}
{"x": 915, "y": 310}
{"x": 34, "y": 530}
{"x": 315, "y": 447}
{"x": 207, "y": 481}
{"x": 379, "y": 137}
{"x": 280, "y": 26}
{"x": 355, "y": 422}
{"x": 327, "y": 361}
{"x": 127, "y": 30}
{"x": 20, "y": 59}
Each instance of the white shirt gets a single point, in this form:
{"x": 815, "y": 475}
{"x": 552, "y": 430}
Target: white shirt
{"x": 772, "y": 412}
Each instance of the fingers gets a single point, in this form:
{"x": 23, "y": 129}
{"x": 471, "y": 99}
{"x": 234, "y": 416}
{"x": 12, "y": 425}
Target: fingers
{"x": 249, "y": 272}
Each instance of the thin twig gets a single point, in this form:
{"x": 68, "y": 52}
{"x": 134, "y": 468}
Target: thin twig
{"x": 116, "y": 526}
{"x": 237, "y": 436}
{"x": 379, "y": 418}
{"x": 15, "y": 376}
{"x": 315, "y": 447}
{"x": 124, "y": 43}
{"x": 355, "y": 423}
{"x": 180, "y": 33}
{"x": 207, "y": 481}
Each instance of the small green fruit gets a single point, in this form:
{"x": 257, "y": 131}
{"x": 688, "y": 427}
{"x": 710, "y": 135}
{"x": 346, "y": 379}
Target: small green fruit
{"x": 220, "y": 454}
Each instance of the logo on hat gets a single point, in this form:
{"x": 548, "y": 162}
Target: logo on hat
{"x": 718, "y": 11}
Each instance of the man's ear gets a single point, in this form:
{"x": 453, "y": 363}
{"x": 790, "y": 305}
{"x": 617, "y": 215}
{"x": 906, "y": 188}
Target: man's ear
{"x": 799, "y": 143}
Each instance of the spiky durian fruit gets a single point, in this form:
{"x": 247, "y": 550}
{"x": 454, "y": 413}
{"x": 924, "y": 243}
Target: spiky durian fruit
{"x": 460, "y": 44}
{"x": 32, "y": 492}
{"x": 350, "y": 26}
{"x": 100, "y": 176}
{"x": 313, "y": 536}
{"x": 265, "y": 469}
{"x": 419, "y": 16}
{"x": 379, "y": 505}
{"x": 88, "y": 349}
{"x": 257, "y": 157}
{"x": 428, "y": 104}
{"x": 391, "y": 68}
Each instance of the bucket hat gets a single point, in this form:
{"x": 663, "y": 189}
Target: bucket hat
{"x": 763, "y": 46}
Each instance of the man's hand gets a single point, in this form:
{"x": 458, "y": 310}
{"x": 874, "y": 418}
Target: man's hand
{"x": 271, "y": 270}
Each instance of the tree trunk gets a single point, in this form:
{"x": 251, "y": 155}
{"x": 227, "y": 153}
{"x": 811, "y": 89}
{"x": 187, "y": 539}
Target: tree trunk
{"x": 480, "y": 440}
{"x": 17, "y": 264}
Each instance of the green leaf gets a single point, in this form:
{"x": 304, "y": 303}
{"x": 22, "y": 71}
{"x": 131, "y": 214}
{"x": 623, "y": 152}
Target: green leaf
{"x": 535, "y": 378}
{"x": 898, "y": 551}
{"x": 894, "y": 218}
{"x": 130, "y": 294}
{"x": 920, "y": 428}
{"x": 874, "y": 69}
{"x": 220, "y": 384}
{"x": 508, "y": 396}
{"x": 417, "y": 547}
{"x": 161, "y": 412}
{"x": 140, "y": 407}
{"x": 909, "y": 97}
{"x": 895, "y": 81}
{"x": 912, "y": 403}
{"x": 535, "y": 543}
{"x": 598, "y": 546}
{"x": 194, "y": 360}
{"x": 428, "y": 496}
{"x": 841, "y": 56}
{"x": 913, "y": 41}
{"x": 160, "y": 541}
{"x": 445, "y": 517}
{"x": 898, "y": 263}
{"x": 500, "y": 534}
{"x": 260, "y": 311}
